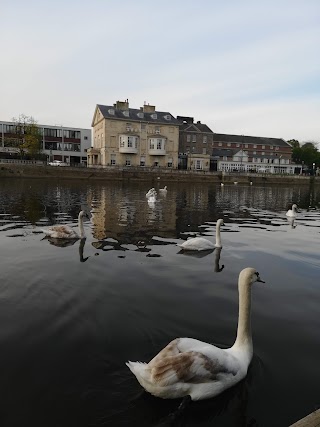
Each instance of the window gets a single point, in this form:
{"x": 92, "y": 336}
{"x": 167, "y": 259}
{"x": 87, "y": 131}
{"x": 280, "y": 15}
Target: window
{"x": 238, "y": 145}
{"x": 142, "y": 161}
{"x": 254, "y": 145}
{"x": 113, "y": 159}
{"x": 277, "y": 148}
{"x": 263, "y": 153}
{"x": 111, "y": 111}
{"x": 245, "y": 145}
{"x": 167, "y": 117}
{"x": 126, "y": 113}
{"x": 128, "y": 127}
{"x": 204, "y": 139}
{"x": 128, "y": 162}
{"x": 254, "y": 152}
{"x": 170, "y": 163}
{"x": 154, "y": 116}
{"x": 157, "y": 128}
{"x": 263, "y": 147}
{"x": 85, "y": 138}
{"x": 271, "y": 147}
{"x": 194, "y": 138}
{"x": 229, "y": 144}
{"x": 220, "y": 144}
{"x": 140, "y": 115}
{"x": 188, "y": 138}
{"x": 159, "y": 144}
{"x": 204, "y": 151}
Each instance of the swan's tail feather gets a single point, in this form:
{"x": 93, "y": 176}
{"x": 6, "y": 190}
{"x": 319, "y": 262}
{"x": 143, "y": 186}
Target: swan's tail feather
{"x": 140, "y": 370}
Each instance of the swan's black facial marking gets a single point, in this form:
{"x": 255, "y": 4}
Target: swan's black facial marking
{"x": 258, "y": 278}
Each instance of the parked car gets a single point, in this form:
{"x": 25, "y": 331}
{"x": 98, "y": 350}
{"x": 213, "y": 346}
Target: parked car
{"x": 57, "y": 163}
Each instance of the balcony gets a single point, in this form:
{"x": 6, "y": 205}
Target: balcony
{"x": 128, "y": 150}
{"x": 157, "y": 152}
{"x": 157, "y": 146}
{"x": 128, "y": 144}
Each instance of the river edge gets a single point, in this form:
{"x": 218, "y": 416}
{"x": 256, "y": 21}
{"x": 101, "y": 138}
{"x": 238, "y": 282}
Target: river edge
{"x": 153, "y": 175}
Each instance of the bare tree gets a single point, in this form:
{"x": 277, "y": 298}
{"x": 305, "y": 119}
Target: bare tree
{"x": 28, "y": 136}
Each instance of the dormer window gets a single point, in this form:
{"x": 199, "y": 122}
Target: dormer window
{"x": 126, "y": 113}
{"x": 167, "y": 117}
{"x": 154, "y": 116}
{"x": 111, "y": 111}
{"x": 140, "y": 115}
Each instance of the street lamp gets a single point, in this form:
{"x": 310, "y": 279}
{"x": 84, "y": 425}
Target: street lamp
{"x": 314, "y": 168}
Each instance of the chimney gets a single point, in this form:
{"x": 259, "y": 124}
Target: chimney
{"x": 149, "y": 108}
{"x": 122, "y": 105}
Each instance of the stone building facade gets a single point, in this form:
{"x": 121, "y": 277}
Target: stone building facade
{"x": 124, "y": 136}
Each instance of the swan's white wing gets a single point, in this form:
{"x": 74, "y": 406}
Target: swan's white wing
{"x": 197, "y": 244}
{"x": 188, "y": 360}
{"x": 61, "y": 232}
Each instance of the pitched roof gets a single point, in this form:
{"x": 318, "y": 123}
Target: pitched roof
{"x": 244, "y": 139}
{"x": 195, "y": 127}
{"x": 110, "y": 112}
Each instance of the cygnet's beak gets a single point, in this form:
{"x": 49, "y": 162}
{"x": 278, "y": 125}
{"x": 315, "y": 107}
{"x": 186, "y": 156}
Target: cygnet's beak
{"x": 260, "y": 280}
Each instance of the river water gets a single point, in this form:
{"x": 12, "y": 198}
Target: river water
{"x": 72, "y": 314}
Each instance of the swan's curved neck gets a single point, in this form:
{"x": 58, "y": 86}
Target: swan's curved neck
{"x": 218, "y": 236}
{"x": 81, "y": 227}
{"x": 244, "y": 336}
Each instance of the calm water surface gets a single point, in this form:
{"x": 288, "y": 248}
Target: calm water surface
{"x": 72, "y": 315}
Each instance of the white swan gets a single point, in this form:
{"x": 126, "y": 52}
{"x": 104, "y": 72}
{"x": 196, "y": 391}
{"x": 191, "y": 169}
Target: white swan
{"x": 163, "y": 190}
{"x": 188, "y": 367}
{"x": 65, "y": 231}
{"x": 292, "y": 211}
{"x": 151, "y": 192}
{"x": 202, "y": 244}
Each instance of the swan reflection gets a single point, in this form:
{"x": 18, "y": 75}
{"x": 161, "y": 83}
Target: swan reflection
{"x": 63, "y": 243}
{"x": 196, "y": 254}
{"x": 291, "y": 221}
{"x": 217, "y": 254}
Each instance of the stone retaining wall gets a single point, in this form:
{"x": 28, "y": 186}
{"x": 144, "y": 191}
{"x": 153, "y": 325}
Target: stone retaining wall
{"x": 50, "y": 172}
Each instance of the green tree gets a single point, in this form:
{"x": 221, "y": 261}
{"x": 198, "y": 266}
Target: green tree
{"x": 28, "y": 136}
{"x": 294, "y": 143}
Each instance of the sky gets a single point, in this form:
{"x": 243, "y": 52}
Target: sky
{"x": 242, "y": 67}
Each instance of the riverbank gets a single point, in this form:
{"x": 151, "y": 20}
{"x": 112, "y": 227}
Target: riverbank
{"x": 148, "y": 174}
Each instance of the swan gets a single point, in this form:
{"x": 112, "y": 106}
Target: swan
{"x": 202, "y": 244}
{"x": 197, "y": 370}
{"x": 164, "y": 189}
{"x": 151, "y": 192}
{"x": 65, "y": 231}
{"x": 293, "y": 211}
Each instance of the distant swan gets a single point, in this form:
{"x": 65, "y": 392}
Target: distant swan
{"x": 202, "y": 244}
{"x": 292, "y": 211}
{"x": 197, "y": 370}
{"x": 151, "y": 192}
{"x": 65, "y": 231}
{"x": 164, "y": 189}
